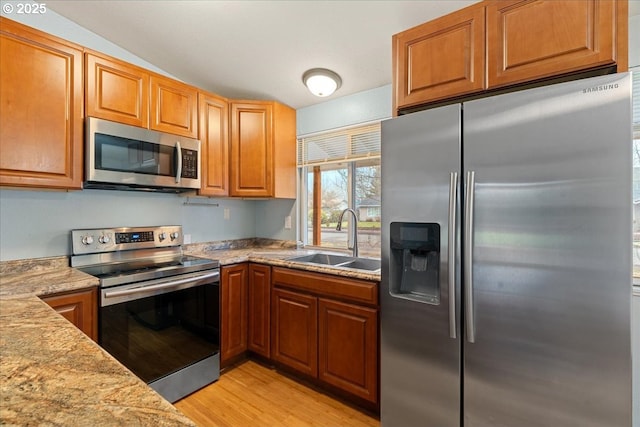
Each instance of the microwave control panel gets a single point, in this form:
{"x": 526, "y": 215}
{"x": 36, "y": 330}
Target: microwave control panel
{"x": 189, "y": 164}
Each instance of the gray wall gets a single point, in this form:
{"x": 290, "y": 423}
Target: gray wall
{"x": 36, "y": 224}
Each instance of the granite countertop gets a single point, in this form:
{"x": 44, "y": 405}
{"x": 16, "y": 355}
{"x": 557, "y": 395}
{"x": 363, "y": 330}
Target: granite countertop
{"x": 53, "y": 374}
{"x": 279, "y": 257}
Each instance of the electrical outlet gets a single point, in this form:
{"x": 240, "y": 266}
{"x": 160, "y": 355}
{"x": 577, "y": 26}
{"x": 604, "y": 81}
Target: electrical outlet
{"x": 287, "y": 222}
{"x": 186, "y": 239}
{"x": 227, "y": 213}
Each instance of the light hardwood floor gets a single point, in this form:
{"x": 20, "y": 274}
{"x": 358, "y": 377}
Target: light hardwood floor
{"x": 253, "y": 395}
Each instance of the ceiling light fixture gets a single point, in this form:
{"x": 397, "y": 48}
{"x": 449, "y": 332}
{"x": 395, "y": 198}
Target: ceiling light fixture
{"x": 321, "y": 82}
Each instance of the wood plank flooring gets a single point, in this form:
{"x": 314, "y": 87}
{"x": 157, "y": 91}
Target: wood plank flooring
{"x": 252, "y": 395}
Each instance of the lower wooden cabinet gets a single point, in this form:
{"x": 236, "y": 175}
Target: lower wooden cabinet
{"x": 348, "y": 347}
{"x": 315, "y": 333}
{"x": 79, "y": 308}
{"x": 295, "y": 331}
{"x": 233, "y": 311}
{"x": 259, "y": 336}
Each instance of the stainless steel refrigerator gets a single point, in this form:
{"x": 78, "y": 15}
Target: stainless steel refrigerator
{"x": 506, "y": 260}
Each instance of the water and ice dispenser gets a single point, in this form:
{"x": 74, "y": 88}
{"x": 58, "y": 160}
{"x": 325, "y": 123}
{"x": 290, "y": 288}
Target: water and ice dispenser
{"x": 415, "y": 261}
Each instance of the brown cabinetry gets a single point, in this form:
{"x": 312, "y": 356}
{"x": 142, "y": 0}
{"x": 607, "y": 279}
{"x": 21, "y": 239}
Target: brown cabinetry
{"x": 522, "y": 40}
{"x": 528, "y": 40}
{"x": 259, "y": 335}
{"x": 295, "y": 331}
{"x": 213, "y": 132}
{"x": 41, "y": 137}
{"x": 124, "y": 93}
{"x": 327, "y": 327}
{"x": 233, "y": 312}
{"x": 174, "y": 107}
{"x": 263, "y": 150}
{"x": 441, "y": 58}
{"x": 116, "y": 91}
{"x": 79, "y": 308}
{"x": 348, "y": 347}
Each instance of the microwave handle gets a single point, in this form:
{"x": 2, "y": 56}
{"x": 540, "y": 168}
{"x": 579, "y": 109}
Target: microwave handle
{"x": 179, "y": 167}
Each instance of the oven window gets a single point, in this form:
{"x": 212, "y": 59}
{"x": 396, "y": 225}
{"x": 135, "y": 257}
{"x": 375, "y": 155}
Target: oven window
{"x": 127, "y": 155}
{"x": 159, "y": 335}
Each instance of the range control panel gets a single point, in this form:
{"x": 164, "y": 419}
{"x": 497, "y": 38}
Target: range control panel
{"x": 90, "y": 241}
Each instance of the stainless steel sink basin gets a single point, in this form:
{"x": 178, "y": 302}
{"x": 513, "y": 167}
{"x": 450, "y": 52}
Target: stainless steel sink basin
{"x": 325, "y": 259}
{"x": 339, "y": 261}
{"x": 363, "y": 264}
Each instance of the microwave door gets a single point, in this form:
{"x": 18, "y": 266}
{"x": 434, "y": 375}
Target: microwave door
{"x": 121, "y": 155}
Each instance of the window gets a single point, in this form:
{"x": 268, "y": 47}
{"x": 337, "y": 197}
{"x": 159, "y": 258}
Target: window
{"x": 340, "y": 170}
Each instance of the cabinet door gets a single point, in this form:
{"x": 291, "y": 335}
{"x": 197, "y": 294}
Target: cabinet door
{"x": 233, "y": 311}
{"x": 294, "y": 331}
{"x": 348, "y": 348}
{"x": 440, "y": 59}
{"x": 116, "y": 91}
{"x": 79, "y": 308}
{"x": 41, "y": 142}
{"x": 251, "y": 149}
{"x": 528, "y": 39}
{"x": 260, "y": 309}
{"x": 174, "y": 107}
{"x": 213, "y": 133}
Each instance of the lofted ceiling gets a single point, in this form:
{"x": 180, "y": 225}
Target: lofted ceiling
{"x": 259, "y": 49}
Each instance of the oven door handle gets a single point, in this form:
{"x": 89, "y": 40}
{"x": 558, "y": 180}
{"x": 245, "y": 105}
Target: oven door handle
{"x": 164, "y": 287}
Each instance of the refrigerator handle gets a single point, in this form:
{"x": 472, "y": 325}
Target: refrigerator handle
{"x": 468, "y": 256}
{"x": 453, "y": 197}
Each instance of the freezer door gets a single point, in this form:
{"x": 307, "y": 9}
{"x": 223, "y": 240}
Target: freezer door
{"x": 551, "y": 257}
{"x": 419, "y": 294}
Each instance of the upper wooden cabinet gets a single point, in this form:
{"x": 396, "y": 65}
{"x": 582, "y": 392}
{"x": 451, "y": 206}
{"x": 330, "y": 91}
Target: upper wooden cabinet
{"x": 174, "y": 107}
{"x": 441, "y": 58}
{"x": 41, "y": 118}
{"x": 213, "y": 132}
{"x": 498, "y": 43}
{"x": 116, "y": 91}
{"x": 535, "y": 39}
{"x": 122, "y": 92}
{"x": 263, "y": 150}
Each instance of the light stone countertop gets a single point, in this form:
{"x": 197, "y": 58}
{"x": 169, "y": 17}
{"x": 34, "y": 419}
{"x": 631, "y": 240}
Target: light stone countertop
{"x": 53, "y": 374}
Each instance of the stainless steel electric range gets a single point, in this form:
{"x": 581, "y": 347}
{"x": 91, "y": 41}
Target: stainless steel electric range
{"x": 159, "y": 310}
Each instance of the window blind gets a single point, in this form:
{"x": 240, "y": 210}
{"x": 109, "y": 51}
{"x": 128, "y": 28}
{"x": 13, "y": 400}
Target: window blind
{"x": 345, "y": 144}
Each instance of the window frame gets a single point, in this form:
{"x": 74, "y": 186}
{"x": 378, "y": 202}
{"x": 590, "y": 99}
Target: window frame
{"x": 305, "y": 169}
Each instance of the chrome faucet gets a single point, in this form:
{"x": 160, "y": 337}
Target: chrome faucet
{"x": 355, "y": 230}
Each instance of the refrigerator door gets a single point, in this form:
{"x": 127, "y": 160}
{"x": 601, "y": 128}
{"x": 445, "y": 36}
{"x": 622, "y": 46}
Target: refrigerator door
{"x": 419, "y": 294}
{"x": 551, "y": 264}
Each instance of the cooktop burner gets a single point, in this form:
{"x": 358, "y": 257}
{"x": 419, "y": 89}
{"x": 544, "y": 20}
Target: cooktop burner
{"x": 138, "y": 270}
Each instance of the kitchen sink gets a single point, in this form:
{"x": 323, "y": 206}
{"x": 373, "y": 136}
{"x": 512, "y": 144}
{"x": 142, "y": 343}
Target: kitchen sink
{"x": 339, "y": 261}
{"x": 363, "y": 264}
{"x": 325, "y": 259}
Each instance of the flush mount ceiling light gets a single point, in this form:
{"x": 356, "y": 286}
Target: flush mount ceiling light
{"x": 321, "y": 82}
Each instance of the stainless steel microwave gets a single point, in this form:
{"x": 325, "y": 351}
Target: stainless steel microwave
{"x": 123, "y": 157}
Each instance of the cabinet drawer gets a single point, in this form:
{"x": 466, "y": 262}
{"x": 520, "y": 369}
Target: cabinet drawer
{"x": 361, "y": 291}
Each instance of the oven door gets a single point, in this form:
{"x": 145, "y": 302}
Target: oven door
{"x": 166, "y": 331}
